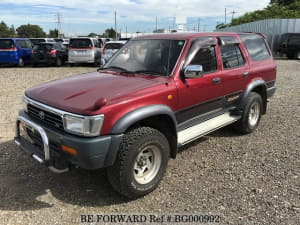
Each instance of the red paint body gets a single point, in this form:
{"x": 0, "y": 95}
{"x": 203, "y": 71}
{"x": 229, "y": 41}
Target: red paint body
{"x": 123, "y": 93}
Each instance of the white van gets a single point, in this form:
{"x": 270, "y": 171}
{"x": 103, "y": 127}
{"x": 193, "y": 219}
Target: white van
{"x": 84, "y": 50}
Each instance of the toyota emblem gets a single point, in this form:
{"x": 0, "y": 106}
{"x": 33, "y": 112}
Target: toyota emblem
{"x": 41, "y": 115}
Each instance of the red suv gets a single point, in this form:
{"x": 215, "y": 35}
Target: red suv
{"x": 156, "y": 94}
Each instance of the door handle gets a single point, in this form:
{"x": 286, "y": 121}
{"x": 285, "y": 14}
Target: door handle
{"x": 246, "y": 74}
{"x": 217, "y": 80}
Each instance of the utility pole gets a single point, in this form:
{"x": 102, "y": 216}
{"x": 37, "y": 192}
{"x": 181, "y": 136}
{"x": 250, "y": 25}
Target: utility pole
{"x": 198, "y": 24}
{"x": 156, "y": 24}
{"x": 116, "y": 25}
{"x": 233, "y": 12}
{"x": 58, "y": 20}
{"x": 126, "y": 32}
{"x": 225, "y": 16}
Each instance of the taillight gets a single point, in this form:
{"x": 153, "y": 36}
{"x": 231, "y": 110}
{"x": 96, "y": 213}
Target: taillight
{"x": 53, "y": 52}
{"x": 14, "y": 49}
{"x": 90, "y": 48}
{"x": 33, "y": 52}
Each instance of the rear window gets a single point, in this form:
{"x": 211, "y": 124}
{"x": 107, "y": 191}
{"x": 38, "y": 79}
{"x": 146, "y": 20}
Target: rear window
{"x": 6, "y": 44}
{"x": 113, "y": 46}
{"x": 256, "y": 46}
{"x": 43, "y": 47}
{"x": 80, "y": 43}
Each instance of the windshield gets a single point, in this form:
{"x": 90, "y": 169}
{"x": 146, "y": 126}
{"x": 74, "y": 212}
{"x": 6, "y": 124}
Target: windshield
{"x": 6, "y": 44}
{"x": 157, "y": 57}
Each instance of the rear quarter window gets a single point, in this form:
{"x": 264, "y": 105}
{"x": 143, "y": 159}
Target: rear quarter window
{"x": 256, "y": 46}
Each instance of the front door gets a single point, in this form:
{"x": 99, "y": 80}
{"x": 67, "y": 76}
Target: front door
{"x": 201, "y": 95}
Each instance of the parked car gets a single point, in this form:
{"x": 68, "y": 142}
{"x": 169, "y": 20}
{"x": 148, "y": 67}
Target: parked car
{"x": 155, "y": 95}
{"x": 109, "y": 49}
{"x": 84, "y": 50}
{"x": 15, "y": 51}
{"x": 289, "y": 44}
{"x": 49, "y": 53}
{"x": 36, "y": 41}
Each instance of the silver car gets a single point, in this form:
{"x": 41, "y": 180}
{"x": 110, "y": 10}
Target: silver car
{"x": 110, "y": 49}
{"x": 84, "y": 50}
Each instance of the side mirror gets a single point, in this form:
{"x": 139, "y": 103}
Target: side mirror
{"x": 193, "y": 71}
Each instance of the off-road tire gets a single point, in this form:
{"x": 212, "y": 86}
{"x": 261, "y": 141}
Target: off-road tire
{"x": 251, "y": 114}
{"x": 123, "y": 175}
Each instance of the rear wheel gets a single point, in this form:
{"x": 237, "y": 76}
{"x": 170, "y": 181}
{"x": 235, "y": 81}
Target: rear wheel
{"x": 141, "y": 162}
{"x": 58, "y": 62}
{"x": 251, "y": 114}
{"x": 21, "y": 62}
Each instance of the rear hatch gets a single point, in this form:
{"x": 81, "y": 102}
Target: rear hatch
{"x": 110, "y": 49}
{"x": 8, "y": 51}
{"x": 81, "y": 48}
{"x": 41, "y": 51}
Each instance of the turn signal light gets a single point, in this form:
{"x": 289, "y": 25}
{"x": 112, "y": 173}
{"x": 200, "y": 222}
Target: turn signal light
{"x": 69, "y": 150}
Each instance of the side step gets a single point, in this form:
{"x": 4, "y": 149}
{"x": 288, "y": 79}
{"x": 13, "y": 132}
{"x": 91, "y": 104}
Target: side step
{"x": 201, "y": 129}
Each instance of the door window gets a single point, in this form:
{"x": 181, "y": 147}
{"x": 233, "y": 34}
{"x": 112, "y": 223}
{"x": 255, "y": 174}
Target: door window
{"x": 232, "y": 56}
{"x": 206, "y": 57}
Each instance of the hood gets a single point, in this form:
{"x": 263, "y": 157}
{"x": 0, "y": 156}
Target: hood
{"x": 85, "y": 93}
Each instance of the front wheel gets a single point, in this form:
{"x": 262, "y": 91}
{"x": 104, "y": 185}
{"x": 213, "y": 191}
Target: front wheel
{"x": 141, "y": 163}
{"x": 251, "y": 114}
{"x": 298, "y": 55}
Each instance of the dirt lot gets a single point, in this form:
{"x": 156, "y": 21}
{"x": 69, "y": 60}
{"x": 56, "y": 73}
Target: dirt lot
{"x": 252, "y": 179}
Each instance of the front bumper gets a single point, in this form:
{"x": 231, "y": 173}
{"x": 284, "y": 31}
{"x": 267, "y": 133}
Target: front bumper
{"x": 43, "y": 143}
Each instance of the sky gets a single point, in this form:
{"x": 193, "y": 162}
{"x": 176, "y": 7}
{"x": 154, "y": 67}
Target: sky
{"x": 81, "y": 17}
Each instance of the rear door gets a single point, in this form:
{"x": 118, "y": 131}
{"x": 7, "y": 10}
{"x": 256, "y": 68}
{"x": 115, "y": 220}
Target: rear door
{"x": 24, "y": 49}
{"x": 235, "y": 68}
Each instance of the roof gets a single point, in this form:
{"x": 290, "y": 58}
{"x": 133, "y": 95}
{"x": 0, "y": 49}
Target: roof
{"x": 119, "y": 42}
{"x": 186, "y": 36}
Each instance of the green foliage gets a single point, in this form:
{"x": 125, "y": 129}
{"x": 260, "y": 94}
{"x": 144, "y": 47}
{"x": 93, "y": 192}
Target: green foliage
{"x": 110, "y": 33}
{"x": 5, "y": 31}
{"x": 31, "y": 31}
{"x": 282, "y": 9}
{"x": 92, "y": 35}
{"x": 53, "y": 33}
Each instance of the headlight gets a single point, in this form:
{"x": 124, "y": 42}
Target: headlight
{"x": 83, "y": 125}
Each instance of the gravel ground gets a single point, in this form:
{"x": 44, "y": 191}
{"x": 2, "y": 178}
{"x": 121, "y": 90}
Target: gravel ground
{"x": 251, "y": 179}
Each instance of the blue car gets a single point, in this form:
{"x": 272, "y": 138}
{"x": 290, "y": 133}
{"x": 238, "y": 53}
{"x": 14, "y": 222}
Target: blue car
{"x": 15, "y": 51}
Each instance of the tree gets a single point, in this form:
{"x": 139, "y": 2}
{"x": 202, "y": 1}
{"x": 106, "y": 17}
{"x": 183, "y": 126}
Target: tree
{"x": 30, "y": 31}
{"x": 283, "y": 2}
{"x": 92, "y": 35}
{"x": 53, "y": 33}
{"x": 276, "y": 9}
{"x": 5, "y": 31}
{"x": 110, "y": 33}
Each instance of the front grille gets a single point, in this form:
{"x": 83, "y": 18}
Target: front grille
{"x": 46, "y": 117}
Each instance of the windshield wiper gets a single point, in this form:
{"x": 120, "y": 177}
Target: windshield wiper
{"x": 123, "y": 70}
{"x": 149, "y": 72}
